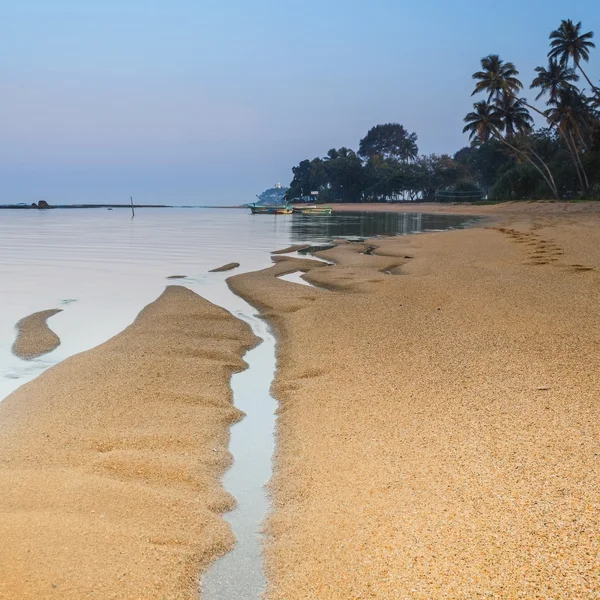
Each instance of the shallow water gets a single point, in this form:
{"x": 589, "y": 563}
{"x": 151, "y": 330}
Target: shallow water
{"x": 295, "y": 277}
{"x": 101, "y": 267}
{"x": 239, "y": 574}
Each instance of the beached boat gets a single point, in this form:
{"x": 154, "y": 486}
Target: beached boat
{"x": 270, "y": 209}
{"x": 312, "y": 210}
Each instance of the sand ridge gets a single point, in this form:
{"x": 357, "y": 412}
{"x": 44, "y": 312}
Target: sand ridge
{"x": 110, "y": 462}
{"x": 439, "y": 428}
{"x": 34, "y": 336}
{"x": 228, "y": 267}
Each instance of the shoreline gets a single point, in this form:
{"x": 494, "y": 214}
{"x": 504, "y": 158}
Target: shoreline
{"x": 76, "y": 206}
{"x": 501, "y": 209}
{"x": 114, "y": 459}
{"x": 438, "y": 431}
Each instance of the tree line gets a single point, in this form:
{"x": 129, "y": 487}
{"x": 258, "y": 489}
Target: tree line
{"x": 507, "y": 158}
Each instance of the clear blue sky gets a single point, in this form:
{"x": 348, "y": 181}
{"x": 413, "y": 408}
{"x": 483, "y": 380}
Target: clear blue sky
{"x": 206, "y": 101}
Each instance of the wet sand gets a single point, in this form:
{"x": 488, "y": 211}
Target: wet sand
{"x": 34, "y": 337}
{"x": 439, "y": 426}
{"x": 110, "y": 462}
{"x": 227, "y": 267}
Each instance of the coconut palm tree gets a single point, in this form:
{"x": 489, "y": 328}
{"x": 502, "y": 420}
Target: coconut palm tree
{"x": 568, "y": 43}
{"x": 514, "y": 115}
{"x": 497, "y": 78}
{"x": 571, "y": 112}
{"x": 488, "y": 121}
{"x": 594, "y": 104}
{"x": 484, "y": 122}
{"x": 410, "y": 150}
{"x": 553, "y": 80}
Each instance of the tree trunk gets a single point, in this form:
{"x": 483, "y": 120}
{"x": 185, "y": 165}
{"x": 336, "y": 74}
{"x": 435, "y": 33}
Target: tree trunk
{"x": 553, "y": 187}
{"x": 585, "y": 183}
{"x": 594, "y": 88}
{"x": 547, "y": 178}
{"x": 573, "y": 153}
{"x": 581, "y": 175}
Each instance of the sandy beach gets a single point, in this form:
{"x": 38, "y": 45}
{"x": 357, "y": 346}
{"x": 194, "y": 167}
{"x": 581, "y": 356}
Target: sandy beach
{"x": 438, "y": 433}
{"x": 439, "y": 423}
{"x": 110, "y": 462}
{"x": 34, "y": 336}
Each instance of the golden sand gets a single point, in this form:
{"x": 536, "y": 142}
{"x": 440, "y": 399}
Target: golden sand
{"x": 227, "y": 267}
{"x": 34, "y": 337}
{"x": 110, "y": 461}
{"x": 439, "y": 427}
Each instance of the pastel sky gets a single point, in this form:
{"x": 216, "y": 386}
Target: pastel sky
{"x": 210, "y": 102}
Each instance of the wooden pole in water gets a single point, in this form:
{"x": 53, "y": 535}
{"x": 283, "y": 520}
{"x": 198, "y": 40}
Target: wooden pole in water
{"x": 132, "y": 210}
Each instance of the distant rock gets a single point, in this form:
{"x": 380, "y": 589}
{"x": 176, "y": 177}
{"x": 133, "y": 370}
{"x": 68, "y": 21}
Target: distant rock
{"x": 40, "y": 204}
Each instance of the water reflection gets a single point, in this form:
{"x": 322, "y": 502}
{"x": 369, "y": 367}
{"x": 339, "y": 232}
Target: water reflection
{"x": 368, "y": 224}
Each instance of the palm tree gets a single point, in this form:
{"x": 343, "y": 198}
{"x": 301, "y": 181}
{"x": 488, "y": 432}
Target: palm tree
{"x": 553, "y": 80}
{"x": 568, "y": 43}
{"x": 570, "y": 112}
{"x": 497, "y": 78}
{"x": 410, "y": 150}
{"x": 487, "y": 121}
{"x": 514, "y": 115}
{"x": 594, "y": 104}
{"x": 484, "y": 122}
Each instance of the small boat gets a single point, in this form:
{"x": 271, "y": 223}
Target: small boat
{"x": 270, "y": 209}
{"x": 312, "y": 210}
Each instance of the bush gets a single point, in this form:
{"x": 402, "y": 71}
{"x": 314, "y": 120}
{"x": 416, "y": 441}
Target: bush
{"x": 594, "y": 192}
{"x": 520, "y": 182}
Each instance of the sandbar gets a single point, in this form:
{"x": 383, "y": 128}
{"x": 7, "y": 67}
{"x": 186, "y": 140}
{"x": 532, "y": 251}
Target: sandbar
{"x": 34, "y": 337}
{"x": 227, "y": 267}
{"x": 110, "y": 461}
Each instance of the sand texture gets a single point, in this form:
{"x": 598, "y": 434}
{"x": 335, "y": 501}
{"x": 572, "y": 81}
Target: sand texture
{"x": 227, "y": 267}
{"x": 34, "y": 337}
{"x": 439, "y": 423}
{"x": 110, "y": 462}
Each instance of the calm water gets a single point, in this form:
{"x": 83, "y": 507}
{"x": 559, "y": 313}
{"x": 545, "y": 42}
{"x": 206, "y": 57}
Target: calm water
{"x": 101, "y": 267}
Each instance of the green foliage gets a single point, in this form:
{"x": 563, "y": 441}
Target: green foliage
{"x": 594, "y": 192}
{"x": 519, "y": 182}
{"x": 561, "y": 158}
{"x": 553, "y": 80}
{"x": 506, "y": 160}
{"x": 390, "y": 141}
{"x": 485, "y": 161}
{"x": 496, "y": 78}
{"x": 568, "y": 43}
